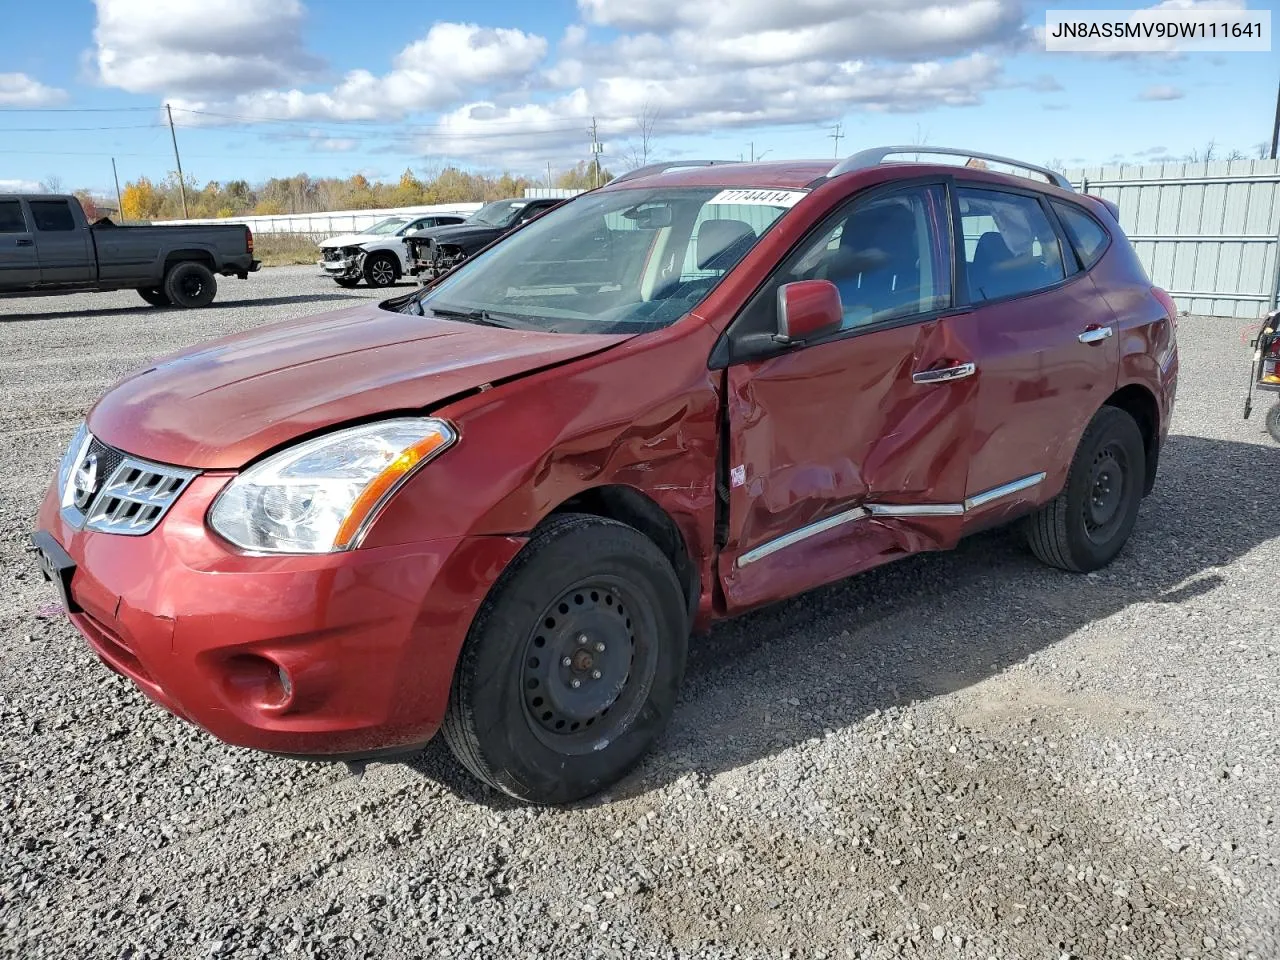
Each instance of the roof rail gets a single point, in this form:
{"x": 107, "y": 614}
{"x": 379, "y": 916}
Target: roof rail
{"x": 653, "y": 168}
{"x": 874, "y": 156}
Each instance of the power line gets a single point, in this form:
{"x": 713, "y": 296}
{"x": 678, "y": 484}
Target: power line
{"x": 128, "y": 126}
{"x": 75, "y": 109}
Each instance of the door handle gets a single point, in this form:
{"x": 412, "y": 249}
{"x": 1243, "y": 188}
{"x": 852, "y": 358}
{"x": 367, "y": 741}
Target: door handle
{"x": 23, "y": 242}
{"x": 945, "y": 374}
{"x": 1095, "y": 335}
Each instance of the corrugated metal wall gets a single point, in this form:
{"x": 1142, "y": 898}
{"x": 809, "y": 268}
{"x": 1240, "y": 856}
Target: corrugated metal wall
{"x": 1209, "y": 233}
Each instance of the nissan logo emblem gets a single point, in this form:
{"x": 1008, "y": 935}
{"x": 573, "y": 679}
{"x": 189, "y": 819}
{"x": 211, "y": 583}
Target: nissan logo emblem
{"x": 85, "y": 481}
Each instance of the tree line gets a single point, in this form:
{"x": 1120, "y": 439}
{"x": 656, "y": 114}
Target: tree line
{"x": 146, "y": 199}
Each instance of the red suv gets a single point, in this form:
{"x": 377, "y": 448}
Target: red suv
{"x": 500, "y": 505}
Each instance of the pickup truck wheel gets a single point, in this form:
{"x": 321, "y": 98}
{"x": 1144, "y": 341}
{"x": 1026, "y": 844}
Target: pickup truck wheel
{"x": 154, "y": 296}
{"x": 381, "y": 270}
{"x": 190, "y": 284}
{"x": 347, "y": 282}
{"x": 572, "y": 666}
{"x": 1085, "y": 526}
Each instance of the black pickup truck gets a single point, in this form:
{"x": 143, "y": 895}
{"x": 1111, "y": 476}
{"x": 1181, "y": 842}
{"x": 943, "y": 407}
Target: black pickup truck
{"x": 48, "y": 247}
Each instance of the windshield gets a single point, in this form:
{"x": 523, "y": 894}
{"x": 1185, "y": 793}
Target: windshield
{"x": 500, "y": 213}
{"x": 383, "y": 227}
{"x": 621, "y": 261}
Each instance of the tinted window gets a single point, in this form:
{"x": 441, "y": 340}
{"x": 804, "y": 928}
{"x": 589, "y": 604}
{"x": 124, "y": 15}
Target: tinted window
{"x": 1010, "y": 248}
{"x": 885, "y": 256}
{"x": 52, "y": 215}
{"x": 1085, "y": 233}
{"x": 11, "y": 220}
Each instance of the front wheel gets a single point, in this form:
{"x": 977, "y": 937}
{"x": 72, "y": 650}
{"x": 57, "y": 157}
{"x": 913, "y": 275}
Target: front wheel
{"x": 380, "y": 270}
{"x": 154, "y": 296}
{"x": 347, "y": 282}
{"x": 572, "y": 667}
{"x": 1085, "y": 526}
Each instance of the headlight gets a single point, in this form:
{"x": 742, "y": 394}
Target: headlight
{"x": 70, "y": 459}
{"x": 322, "y": 495}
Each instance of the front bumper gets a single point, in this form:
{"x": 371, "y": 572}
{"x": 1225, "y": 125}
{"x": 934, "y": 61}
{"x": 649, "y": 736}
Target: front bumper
{"x": 347, "y": 654}
{"x": 347, "y": 268}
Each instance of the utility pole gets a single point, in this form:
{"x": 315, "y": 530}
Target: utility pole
{"x": 119, "y": 202}
{"x": 837, "y": 136}
{"x": 548, "y": 174}
{"x": 597, "y": 148}
{"x": 1275, "y": 129}
{"x": 182, "y": 185}
{"x": 753, "y": 151}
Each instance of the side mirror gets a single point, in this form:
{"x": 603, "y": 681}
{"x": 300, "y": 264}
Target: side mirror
{"x": 808, "y": 309}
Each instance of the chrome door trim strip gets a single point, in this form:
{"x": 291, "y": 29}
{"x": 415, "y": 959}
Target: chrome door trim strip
{"x": 804, "y": 533}
{"x": 915, "y": 509}
{"x": 888, "y": 510}
{"x": 1005, "y": 490}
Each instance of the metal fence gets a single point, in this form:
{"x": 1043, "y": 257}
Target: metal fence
{"x": 321, "y": 225}
{"x": 1209, "y": 233}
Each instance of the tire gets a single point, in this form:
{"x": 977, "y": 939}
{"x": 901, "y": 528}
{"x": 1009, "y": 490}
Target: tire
{"x": 381, "y": 270}
{"x": 347, "y": 282}
{"x": 602, "y": 596}
{"x": 190, "y": 284}
{"x": 1273, "y": 422}
{"x": 154, "y": 296}
{"x": 1086, "y": 525}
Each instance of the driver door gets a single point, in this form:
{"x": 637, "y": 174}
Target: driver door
{"x": 853, "y": 450}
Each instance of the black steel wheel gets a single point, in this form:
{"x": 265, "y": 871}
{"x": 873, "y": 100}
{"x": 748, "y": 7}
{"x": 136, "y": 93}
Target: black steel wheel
{"x": 1273, "y": 422}
{"x": 573, "y": 664}
{"x": 190, "y": 284}
{"x": 1088, "y": 523}
{"x": 154, "y": 296}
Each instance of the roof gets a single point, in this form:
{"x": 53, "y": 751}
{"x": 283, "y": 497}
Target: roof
{"x": 781, "y": 174}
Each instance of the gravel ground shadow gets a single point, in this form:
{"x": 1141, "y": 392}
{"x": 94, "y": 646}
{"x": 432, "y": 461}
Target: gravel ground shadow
{"x": 932, "y": 624}
{"x": 226, "y": 304}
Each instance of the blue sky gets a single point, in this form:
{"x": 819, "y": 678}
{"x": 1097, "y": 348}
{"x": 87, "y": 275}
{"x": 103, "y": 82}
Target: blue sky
{"x": 332, "y": 87}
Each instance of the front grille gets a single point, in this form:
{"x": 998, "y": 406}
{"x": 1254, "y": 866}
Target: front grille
{"x": 113, "y": 492}
{"x": 333, "y": 253}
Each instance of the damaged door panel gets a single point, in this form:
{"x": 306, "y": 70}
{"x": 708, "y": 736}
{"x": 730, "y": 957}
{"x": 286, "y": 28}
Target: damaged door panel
{"x": 845, "y": 455}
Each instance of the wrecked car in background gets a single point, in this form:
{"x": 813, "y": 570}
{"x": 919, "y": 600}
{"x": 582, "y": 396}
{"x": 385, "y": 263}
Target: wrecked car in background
{"x": 376, "y": 254}
{"x": 435, "y": 251}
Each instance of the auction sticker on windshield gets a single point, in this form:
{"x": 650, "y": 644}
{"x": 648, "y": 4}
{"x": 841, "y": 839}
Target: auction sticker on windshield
{"x": 764, "y": 198}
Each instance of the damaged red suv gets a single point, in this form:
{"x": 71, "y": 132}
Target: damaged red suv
{"x": 501, "y": 504}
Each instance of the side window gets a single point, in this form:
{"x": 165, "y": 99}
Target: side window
{"x": 1010, "y": 247}
{"x": 11, "y": 219}
{"x": 888, "y": 257}
{"x": 52, "y": 216}
{"x": 1086, "y": 234}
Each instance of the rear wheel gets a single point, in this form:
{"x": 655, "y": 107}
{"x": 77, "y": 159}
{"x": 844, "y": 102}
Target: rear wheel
{"x": 1273, "y": 422}
{"x": 1086, "y": 525}
{"x": 154, "y": 296}
{"x": 572, "y": 667}
{"x": 380, "y": 270}
{"x": 190, "y": 284}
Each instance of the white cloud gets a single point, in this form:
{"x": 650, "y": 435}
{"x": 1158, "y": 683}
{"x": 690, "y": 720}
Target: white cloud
{"x": 20, "y": 186}
{"x": 1161, "y": 92}
{"x": 446, "y": 66}
{"x": 20, "y": 90}
{"x": 194, "y": 48}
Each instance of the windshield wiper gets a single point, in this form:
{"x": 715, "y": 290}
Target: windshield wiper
{"x": 482, "y": 317}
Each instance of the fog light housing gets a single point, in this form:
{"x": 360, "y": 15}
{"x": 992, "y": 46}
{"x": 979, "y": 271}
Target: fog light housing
{"x": 259, "y": 682}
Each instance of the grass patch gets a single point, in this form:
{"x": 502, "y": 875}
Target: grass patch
{"x": 284, "y": 249}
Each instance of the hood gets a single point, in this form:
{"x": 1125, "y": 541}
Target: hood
{"x": 349, "y": 240}
{"x": 468, "y": 233}
{"x": 224, "y": 403}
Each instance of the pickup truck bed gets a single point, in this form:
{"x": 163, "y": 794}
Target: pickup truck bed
{"x": 48, "y": 247}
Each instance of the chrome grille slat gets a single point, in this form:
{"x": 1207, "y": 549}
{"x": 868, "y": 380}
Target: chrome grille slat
{"x": 133, "y": 498}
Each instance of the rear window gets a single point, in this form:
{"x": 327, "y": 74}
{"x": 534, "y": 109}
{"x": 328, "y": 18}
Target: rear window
{"x": 11, "y": 220}
{"x": 52, "y": 216}
{"x": 1085, "y": 233}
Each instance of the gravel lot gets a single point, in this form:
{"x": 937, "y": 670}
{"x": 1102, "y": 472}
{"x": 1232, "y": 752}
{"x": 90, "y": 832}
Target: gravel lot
{"x": 965, "y": 755}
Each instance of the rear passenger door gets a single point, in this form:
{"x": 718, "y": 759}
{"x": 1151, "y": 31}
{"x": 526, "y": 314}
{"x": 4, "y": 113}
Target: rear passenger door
{"x": 62, "y": 243}
{"x": 1046, "y": 351}
{"x": 18, "y": 264}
